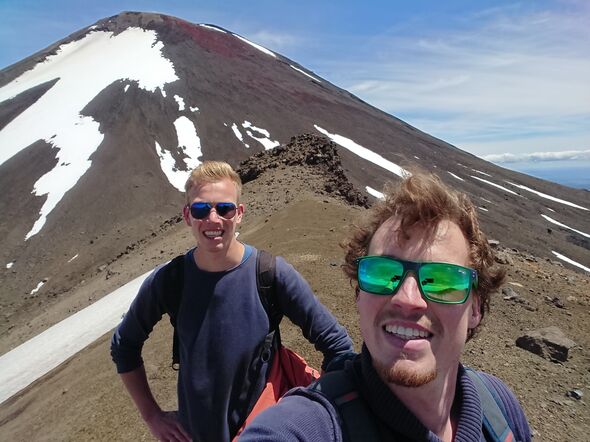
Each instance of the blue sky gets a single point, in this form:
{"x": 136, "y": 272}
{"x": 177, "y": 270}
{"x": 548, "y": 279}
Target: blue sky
{"x": 491, "y": 77}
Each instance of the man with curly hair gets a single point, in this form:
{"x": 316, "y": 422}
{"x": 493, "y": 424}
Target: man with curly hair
{"x": 423, "y": 274}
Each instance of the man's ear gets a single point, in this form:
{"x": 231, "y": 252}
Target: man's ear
{"x": 475, "y": 312}
{"x": 240, "y": 214}
{"x": 187, "y": 216}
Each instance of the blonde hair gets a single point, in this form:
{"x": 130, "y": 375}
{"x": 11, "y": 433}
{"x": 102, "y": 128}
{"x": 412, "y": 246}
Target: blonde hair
{"x": 422, "y": 200}
{"x": 212, "y": 172}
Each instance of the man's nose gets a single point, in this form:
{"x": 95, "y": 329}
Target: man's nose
{"x": 213, "y": 215}
{"x": 408, "y": 296}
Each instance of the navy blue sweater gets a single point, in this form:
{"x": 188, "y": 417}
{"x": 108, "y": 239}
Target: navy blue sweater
{"x": 312, "y": 417}
{"x": 220, "y": 324}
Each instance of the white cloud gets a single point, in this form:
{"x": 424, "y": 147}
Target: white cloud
{"x": 503, "y": 74}
{"x": 582, "y": 155}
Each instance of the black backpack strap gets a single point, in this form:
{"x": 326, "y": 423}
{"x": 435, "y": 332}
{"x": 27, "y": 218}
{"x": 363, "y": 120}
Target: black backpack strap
{"x": 495, "y": 423}
{"x": 358, "y": 422}
{"x": 265, "y": 281}
{"x": 170, "y": 298}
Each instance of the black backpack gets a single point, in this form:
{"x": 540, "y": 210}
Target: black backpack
{"x": 360, "y": 425}
{"x": 171, "y": 298}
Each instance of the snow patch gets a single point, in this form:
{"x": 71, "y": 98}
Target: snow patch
{"x": 125, "y": 89}
{"x": 213, "y": 28}
{"x": 305, "y": 73}
{"x": 36, "y": 289}
{"x": 483, "y": 173}
{"x": 495, "y": 185}
{"x": 483, "y": 208}
{"x": 260, "y": 48}
{"x": 416, "y": 157}
{"x": 375, "y": 193}
{"x": 365, "y": 153}
{"x": 455, "y": 176}
{"x": 31, "y": 360}
{"x": 9, "y": 265}
{"x": 180, "y": 102}
{"x": 570, "y": 261}
{"x": 238, "y": 134}
{"x": 549, "y": 197}
{"x": 189, "y": 144}
{"x": 194, "y": 109}
{"x": 79, "y": 66}
{"x": 551, "y": 220}
{"x": 264, "y": 139}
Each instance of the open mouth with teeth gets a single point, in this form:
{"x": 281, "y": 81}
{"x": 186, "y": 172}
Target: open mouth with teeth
{"x": 213, "y": 233}
{"x": 406, "y": 333}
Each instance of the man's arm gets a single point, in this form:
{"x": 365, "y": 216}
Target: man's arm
{"x": 126, "y": 347}
{"x": 303, "y": 308}
{"x": 164, "y": 425}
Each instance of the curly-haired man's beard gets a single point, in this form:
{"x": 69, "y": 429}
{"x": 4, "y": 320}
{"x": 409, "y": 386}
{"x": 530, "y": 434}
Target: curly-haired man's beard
{"x": 403, "y": 377}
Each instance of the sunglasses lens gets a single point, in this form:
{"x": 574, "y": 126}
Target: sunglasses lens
{"x": 379, "y": 276}
{"x": 445, "y": 283}
{"x": 226, "y": 210}
{"x": 200, "y": 210}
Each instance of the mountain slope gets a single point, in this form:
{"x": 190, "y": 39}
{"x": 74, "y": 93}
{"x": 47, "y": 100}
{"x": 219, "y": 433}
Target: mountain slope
{"x": 99, "y": 131}
{"x": 290, "y": 212}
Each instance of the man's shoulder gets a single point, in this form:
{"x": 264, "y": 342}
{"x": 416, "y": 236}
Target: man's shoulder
{"x": 303, "y": 414}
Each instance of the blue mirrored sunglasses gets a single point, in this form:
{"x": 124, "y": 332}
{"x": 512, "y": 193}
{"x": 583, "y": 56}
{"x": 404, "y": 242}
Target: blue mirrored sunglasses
{"x": 200, "y": 210}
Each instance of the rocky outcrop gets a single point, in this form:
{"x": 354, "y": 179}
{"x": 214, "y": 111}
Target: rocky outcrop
{"x": 306, "y": 150}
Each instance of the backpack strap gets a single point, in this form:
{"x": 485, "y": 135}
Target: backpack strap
{"x": 264, "y": 355}
{"x": 170, "y": 298}
{"x": 494, "y": 420}
{"x": 266, "y": 265}
{"x": 358, "y": 423}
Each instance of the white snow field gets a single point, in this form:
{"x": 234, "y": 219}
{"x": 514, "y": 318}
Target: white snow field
{"x": 83, "y": 69}
{"x": 41, "y": 354}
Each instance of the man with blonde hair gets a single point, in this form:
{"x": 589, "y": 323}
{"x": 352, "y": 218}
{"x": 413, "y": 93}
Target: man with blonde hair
{"x": 423, "y": 274}
{"x": 221, "y": 322}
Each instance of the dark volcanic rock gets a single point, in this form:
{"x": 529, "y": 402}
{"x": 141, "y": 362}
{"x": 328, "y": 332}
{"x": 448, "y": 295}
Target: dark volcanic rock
{"x": 549, "y": 343}
{"x": 306, "y": 150}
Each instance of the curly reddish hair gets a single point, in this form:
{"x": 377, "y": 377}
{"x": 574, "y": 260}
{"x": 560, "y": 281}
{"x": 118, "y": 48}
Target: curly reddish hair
{"x": 422, "y": 200}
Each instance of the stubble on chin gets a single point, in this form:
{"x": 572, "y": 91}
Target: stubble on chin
{"x": 404, "y": 377}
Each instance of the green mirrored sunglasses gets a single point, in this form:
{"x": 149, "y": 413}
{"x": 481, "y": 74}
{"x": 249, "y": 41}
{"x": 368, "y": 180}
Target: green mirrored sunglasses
{"x": 438, "y": 281}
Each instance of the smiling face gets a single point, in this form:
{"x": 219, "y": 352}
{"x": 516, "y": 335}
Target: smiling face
{"x": 412, "y": 340}
{"x": 214, "y": 234}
